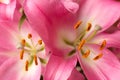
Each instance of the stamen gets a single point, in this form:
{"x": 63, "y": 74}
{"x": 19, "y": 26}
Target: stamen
{"x": 23, "y": 42}
{"x": 35, "y": 59}
{"x": 26, "y": 65}
{"x": 29, "y": 36}
{"x": 21, "y": 54}
{"x": 77, "y": 24}
{"x": 89, "y": 25}
{"x": 86, "y": 54}
{"x": 39, "y": 42}
{"x": 103, "y": 45}
{"x": 81, "y": 44}
{"x": 98, "y": 56}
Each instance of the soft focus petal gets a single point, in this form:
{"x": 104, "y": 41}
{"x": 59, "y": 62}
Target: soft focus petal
{"x": 59, "y": 68}
{"x": 76, "y": 75}
{"x": 7, "y": 9}
{"x": 112, "y": 39}
{"x": 100, "y": 12}
{"x": 103, "y": 68}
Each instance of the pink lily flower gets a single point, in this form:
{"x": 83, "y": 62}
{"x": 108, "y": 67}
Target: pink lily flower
{"x": 7, "y": 9}
{"x": 22, "y": 52}
{"x": 87, "y": 40}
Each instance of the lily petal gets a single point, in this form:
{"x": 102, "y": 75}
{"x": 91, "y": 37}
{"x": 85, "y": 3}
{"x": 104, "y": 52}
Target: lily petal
{"x": 76, "y": 75}
{"x": 101, "y": 68}
{"x": 59, "y": 68}
{"x": 100, "y": 12}
{"x": 112, "y": 40}
{"x": 16, "y": 67}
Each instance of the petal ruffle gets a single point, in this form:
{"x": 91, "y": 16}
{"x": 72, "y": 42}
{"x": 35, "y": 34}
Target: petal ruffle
{"x": 71, "y": 6}
{"x": 59, "y": 68}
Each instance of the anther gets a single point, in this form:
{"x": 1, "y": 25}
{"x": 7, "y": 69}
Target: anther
{"x": 77, "y": 24}
{"x": 26, "y": 65}
{"x": 98, "y": 56}
{"x": 89, "y": 25}
{"x": 40, "y": 42}
{"x": 21, "y": 54}
{"x": 103, "y": 45}
{"x": 29, "y": 36}
{"x": 86, "y": 54}
{"x": 35, "y": 59}
{"x": 23, "y": 42}
{"x": 81, "y": 44}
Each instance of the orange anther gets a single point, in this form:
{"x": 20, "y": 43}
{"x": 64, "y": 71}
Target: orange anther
{"x": 103, "y": 45}
{"x": 35, "y": 59}
{"x": 29, "y": 36}
{"x": 86, "y": 54}
{"x": 21, "y": 54}
{"x": 98, "y": 56}
{"x": 23, "y": 42}
{"x": 81, "y": 44}
{"x": 40, "y": 42}
{"x": 26, "y": 65}
{"x": 89, "y": 25}
{"x": 77, "y": 24}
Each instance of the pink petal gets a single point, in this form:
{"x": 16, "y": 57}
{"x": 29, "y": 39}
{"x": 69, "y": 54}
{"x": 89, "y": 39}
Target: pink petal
{"x": 50, "y": 26}
{"x": 103, "y": 68}
{"x": 8, "y": 70}
{"x": 112, "y": 39}
{"x": 6, "y": 39}
{"x": 76, "y": 75}
{"x": 99, "y": 12}
{"x": 59, "y": 68}
{"x": 7, "y": 10}
{"x": 33, "y": 73}
{"x": 14, "y": 69}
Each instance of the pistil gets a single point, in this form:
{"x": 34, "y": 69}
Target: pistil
{"x": 31, "y": 50}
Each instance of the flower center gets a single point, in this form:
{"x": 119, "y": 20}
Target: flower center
{"x": 83, "y": 38}
{"x": 31, "y": 50}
